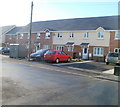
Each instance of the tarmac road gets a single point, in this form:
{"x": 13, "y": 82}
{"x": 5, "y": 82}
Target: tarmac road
{"x": 26, "y": 84}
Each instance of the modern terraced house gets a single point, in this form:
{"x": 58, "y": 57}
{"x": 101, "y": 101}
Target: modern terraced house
{"x": 86, "y": 38}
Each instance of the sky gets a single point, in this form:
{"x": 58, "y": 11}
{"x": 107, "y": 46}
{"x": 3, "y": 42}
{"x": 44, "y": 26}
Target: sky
{"x": 17, "y": 12}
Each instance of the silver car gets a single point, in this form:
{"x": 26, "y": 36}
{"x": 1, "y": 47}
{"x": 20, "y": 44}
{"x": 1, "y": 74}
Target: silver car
{"x": 113, "y": 58}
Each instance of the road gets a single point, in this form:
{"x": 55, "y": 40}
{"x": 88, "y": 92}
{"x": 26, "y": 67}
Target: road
{"x": 41, "y": 84}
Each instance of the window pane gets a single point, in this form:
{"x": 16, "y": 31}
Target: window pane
{"x": 116, "y": 50}
{"x": 98, "y": 51}
{"x": 95, "y": 51}
{"x": 102, "y": 51}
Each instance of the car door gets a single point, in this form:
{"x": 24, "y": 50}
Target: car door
{"x": 111, "y": 57}
{"x": 64, "y": 55}
{"x": 60, "y": 56}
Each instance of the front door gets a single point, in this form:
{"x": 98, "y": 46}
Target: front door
{"x": 85, "y": 53}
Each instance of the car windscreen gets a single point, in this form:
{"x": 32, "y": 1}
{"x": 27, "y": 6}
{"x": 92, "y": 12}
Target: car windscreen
{"x": 50, "y": 52}
{"x": 39, "y": 51}
{"x": 116, "y": 54}
{"x": 113, "y": 55}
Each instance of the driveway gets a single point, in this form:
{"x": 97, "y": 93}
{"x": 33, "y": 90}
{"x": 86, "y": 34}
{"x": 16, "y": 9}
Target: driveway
{"x": 87, "y": 66}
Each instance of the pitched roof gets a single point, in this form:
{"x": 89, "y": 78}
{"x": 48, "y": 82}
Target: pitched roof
{"x": 91, "y": 23}
{"x": 69, "y": 43}
{"x": 5, "y": 29}
{"x": 14, "y": 31}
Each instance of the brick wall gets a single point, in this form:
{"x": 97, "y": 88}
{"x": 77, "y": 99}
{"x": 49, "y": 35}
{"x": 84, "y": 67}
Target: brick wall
{"x": 9, "y": 41}
{"x": 43, "y": 41}
{"x": 113, "y": 43}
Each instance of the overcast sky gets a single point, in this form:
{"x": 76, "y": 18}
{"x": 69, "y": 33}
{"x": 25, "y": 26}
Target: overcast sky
{"x": 17, "y": 12}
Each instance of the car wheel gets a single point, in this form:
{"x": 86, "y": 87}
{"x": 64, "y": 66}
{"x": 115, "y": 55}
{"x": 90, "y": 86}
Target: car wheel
{"x": 107, "y": 63}
{"x": 57, "y": 60}
{"x": 68, "y": 60}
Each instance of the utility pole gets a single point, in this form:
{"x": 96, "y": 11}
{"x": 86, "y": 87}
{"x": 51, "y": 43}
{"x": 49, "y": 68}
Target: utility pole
{"x": 29, "y": 49}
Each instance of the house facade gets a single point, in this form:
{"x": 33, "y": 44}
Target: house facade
{"x": 85, "y": 44}
{"x": 4, "y": 41}
{"x": 115, "y": 41}
{"x": 39, "y": 39}
{"x": 85, "y": 38}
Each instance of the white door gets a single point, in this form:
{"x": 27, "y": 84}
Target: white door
{"x": 85, "y": 53}
{"x": 38, "y": 46}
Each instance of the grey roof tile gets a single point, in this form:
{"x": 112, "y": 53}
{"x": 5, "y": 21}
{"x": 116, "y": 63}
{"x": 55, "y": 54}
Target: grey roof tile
{"x": 6, "y": 29}
{"x": 92, "y": 23}
{"x": 14, "y": 31}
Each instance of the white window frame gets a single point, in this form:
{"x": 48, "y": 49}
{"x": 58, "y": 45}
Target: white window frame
{"x": 86, "y": 35}
{"x": 59, "y": 48}
{"x": 118, "y": 50}
{"x": 38, "y": 36}
{"x": 71, "y": 35}
{"x": 21, "y": 36}
{"x": 10, "y": 37}
{"x": 70, "y": 48}
{"x": 17, "y": 36}
{"x": 59, "y": 35}
{"x": 37, "y": 46}
{"x": 100, "y": 35}
{"x": 28, "y": 36}
{"x": 46, "y": 47}
{"x": 47, "y": 36}
{"x": 117, "y": 35}
{"x": 97, "y": 51}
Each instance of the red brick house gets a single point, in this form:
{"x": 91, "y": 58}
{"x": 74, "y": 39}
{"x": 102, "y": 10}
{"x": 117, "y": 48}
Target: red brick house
{"x": 11, "y": 36}
{"x": 114, "y": 41}
{"x": 87, "y": 38}
{"x": 4, "y": 42}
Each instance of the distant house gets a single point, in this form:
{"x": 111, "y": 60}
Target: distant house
{"x": 11, "y": 36}
{"x": 86, "y": 38}
{"x": 3, "y": 31}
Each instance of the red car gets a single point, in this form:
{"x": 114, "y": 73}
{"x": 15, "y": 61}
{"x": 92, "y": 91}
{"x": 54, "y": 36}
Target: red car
{"x": 57, "y": 56}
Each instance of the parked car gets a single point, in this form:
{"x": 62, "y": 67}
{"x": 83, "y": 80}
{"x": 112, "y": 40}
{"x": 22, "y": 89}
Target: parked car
{"x": 113, "y": 58}
{"x": 39, "y": 54}
{"x": 4, "y": 50}
{"x": 57, "y": 56}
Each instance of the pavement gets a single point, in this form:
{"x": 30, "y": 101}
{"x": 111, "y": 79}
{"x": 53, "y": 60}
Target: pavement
{"x": 111, "y": 71}
{"x": 107, "y": 74}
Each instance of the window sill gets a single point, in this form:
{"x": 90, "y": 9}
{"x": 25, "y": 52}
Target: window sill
{"x": 47, "y": 38}
{"x": 99, "y": 55}
{"x": 37, "y": 38}
{"x": 85, "y": 38}
{"x": 117, "y": 39}
{"x": 100, "y": 38}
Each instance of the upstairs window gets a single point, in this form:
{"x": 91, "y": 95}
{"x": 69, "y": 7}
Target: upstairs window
{"x": 21, "y": 36}
{"x": 38, "y": 36}
{"x": 86, "y": 35}
{"x": 71, "y": 35}
{"x": 10, "y": 37}
{"x": 47, "y": 36}
{"x": 100, "y": 35}
{"x": 117, "y": 35}
{"x": 59, "y": 35}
